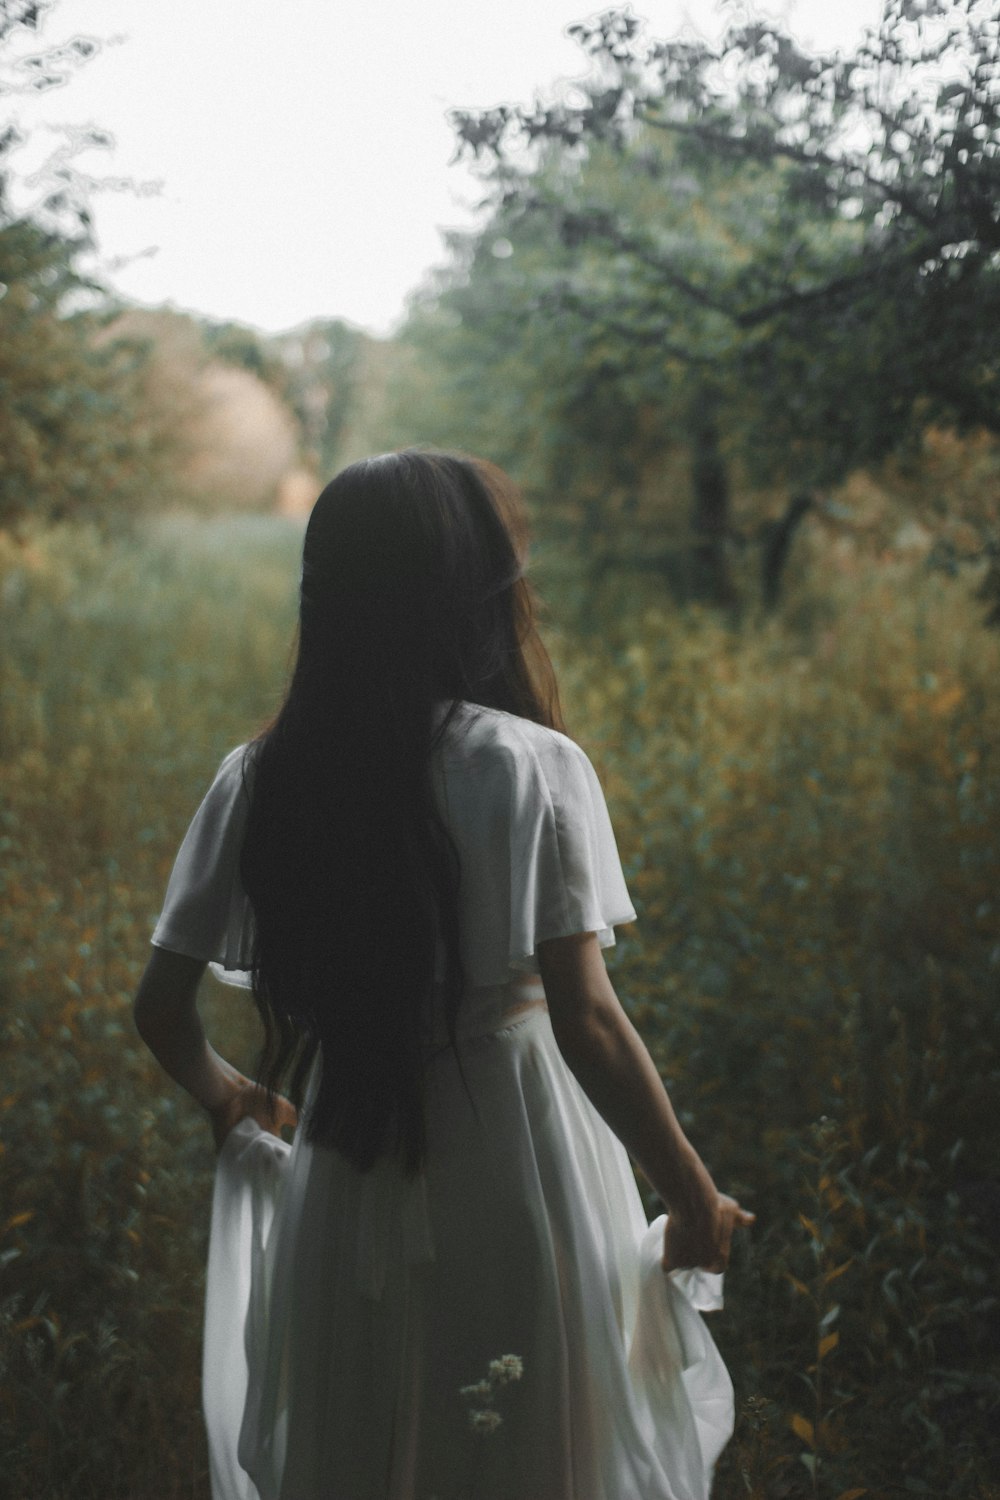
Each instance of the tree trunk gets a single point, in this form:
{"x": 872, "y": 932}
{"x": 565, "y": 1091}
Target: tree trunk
{"x": 710, "y": 512}
{"x": 775, "y": 541}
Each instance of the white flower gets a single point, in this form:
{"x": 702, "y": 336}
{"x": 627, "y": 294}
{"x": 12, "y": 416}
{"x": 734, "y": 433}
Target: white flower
{"x": 486, "y": 1420}
{"x": 481, "y": 1391}
{"x": 507, "y": 1367}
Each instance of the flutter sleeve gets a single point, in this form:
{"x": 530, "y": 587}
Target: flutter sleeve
{"x": 566, "y": 874}
{"x": 205, "y": 911}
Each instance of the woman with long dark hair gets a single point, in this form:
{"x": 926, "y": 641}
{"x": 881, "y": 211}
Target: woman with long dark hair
{"x": 446, "y": 1287}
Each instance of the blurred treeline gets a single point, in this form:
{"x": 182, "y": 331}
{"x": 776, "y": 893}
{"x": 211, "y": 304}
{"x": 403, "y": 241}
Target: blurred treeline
{"x": 730, "y": 318}
{"x": 725, "y": 295}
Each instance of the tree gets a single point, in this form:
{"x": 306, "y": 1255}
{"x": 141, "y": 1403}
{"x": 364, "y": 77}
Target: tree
{"x": 59, "y": 201}
{"x": 78, "y": 431}
{"x": 837, "y": 286}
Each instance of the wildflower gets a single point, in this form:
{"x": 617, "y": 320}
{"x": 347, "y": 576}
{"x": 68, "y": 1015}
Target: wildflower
{"x": 485, "y": 1420}
{"x": 481, "y": 1391}
{"x": 507, "y": 1367}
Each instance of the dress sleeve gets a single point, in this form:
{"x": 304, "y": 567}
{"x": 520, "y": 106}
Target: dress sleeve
{"x": 566, "y": 875}
{"x": 205, "y": 911}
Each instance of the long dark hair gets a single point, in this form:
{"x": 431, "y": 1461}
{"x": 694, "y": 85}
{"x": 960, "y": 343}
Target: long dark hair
{"x": 413, "y": 592}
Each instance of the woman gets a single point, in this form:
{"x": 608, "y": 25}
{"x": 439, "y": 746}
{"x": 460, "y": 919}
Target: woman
{"x": 446, "y": 1287}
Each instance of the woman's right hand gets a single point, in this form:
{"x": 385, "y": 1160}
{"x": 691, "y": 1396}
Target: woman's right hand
{"x": 702, "y": 1238}
{"x": 250, "y": 1100}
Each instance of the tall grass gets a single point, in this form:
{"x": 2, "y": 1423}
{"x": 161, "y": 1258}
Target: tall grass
{"x": 808, "y": 815}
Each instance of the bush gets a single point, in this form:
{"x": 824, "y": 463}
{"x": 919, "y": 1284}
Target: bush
{"x": 808, "y": 817}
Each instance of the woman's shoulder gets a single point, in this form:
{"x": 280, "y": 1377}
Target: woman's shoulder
{"x": 234, "y": 769}
{"x": 512, "y": 736}
{"x": 533, "y": 733}
{"x": 234, "y": 761}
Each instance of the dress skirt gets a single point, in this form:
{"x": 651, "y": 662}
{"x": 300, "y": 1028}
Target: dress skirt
{"x": 497, "y": 1328}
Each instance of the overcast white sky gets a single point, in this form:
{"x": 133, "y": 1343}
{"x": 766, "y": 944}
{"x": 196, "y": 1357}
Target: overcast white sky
{"x": 302, "y": 145}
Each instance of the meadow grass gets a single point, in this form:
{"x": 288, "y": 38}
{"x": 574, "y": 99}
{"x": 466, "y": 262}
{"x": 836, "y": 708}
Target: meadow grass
{"x": 808, "y": 814}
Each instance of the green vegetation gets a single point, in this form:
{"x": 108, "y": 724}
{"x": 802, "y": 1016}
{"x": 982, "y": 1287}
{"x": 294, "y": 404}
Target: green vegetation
{"x": 724, "y": 276}
{"x": 809, "y": 821}
{"x": 745, "y": 369}
{"x": 80, "y": 432}
{"x": 130, "y": 669}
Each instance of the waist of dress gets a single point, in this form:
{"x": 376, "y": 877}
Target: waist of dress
{"x": 487, "y": 1009}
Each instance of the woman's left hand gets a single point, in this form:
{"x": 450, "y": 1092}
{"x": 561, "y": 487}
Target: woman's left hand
{"x": 249, "y": 1100}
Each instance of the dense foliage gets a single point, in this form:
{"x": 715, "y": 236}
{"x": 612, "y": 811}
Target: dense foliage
{"x": 81, "y": 431}
{"x": 717, "y": 283}
{"x": 855, "y": 293}
{"x": 710, "y": 271}
{"x": 79, "y": 435}
{"x": 809, "y": 825}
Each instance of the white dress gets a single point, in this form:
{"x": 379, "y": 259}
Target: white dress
{"x": 352, "y": 1318}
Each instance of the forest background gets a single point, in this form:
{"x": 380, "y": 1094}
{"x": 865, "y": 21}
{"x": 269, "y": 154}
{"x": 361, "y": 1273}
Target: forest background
{"x": 731, "y": 319}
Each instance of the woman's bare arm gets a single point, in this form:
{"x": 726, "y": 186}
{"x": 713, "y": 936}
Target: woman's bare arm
{"x": 613, "y": 1067}
{"x": 166, "y": 1015}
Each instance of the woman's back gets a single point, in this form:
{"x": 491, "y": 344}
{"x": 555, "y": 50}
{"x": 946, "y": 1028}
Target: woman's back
{"x": 377, "y": 1302}
{"x": 446, "y": 1287}
{"x": 538, "y": 854}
